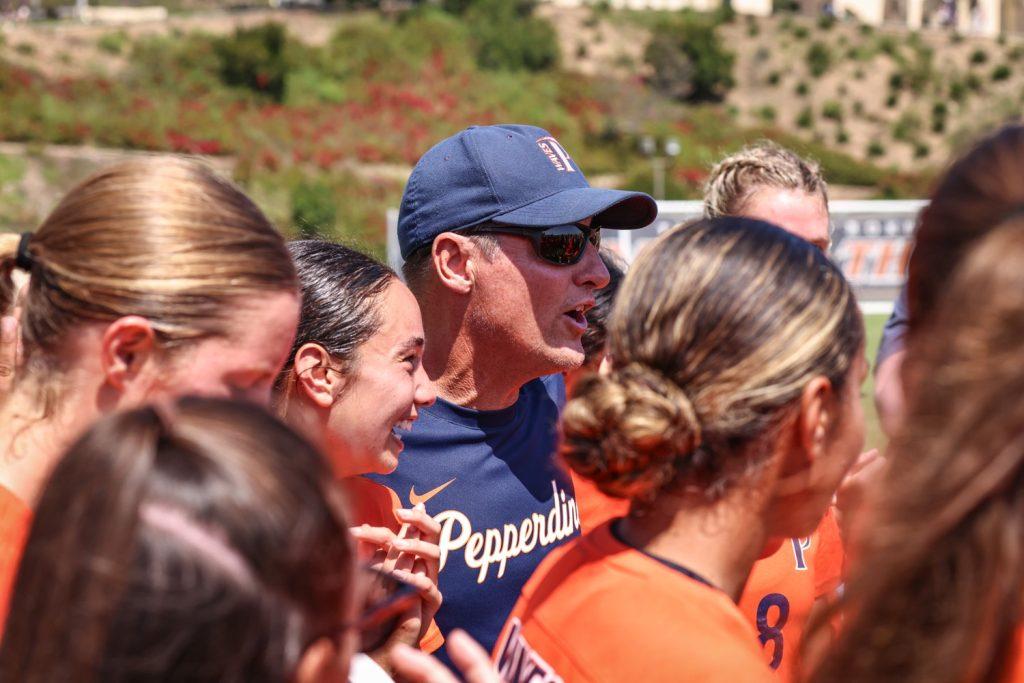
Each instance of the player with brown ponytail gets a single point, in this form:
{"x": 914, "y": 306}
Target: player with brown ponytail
{"x": 152, "y": 278}
{"x": 729, "y": 417}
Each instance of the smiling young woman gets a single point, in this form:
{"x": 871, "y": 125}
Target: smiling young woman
{"x": 354, "y": 383}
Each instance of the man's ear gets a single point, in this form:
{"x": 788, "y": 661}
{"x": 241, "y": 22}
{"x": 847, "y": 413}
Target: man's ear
{"x": 453, "y": 256}
{"x": 313, "y": 378}
{"x": 319, "y": 664}
{"x": 128, "y": 344}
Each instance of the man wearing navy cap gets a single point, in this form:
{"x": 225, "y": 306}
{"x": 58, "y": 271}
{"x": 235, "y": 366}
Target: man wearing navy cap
{"x": 499, "y": 230}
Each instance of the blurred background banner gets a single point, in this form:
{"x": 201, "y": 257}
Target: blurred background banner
{"x": 871, "y": 242}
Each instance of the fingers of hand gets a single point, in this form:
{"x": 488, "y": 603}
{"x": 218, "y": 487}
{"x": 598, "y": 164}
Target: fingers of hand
{"x": 423, "y": 549}
{"x": 377, "y": 535}
{"x": 418, "y": 667}
{"x": 471, "y": 659}
{"x": 421, "y": 583}
{"x": 428, "y": 527}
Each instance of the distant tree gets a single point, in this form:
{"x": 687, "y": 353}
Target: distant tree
{"x": 255, "y": 58}
{"x": 508, "y": 37}
{"x": 689, "y": 60}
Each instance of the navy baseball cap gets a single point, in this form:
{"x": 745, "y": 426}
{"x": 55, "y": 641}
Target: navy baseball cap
{"x": 511, "y": 174}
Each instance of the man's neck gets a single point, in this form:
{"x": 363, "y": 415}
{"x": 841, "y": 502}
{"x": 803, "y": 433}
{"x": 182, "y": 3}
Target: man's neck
{"x": 469, "y": 376}
{"x": 719, "y": 542}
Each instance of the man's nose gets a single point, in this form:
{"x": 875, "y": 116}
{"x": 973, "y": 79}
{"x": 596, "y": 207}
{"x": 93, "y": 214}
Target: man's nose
{"x": 591, "y": 271}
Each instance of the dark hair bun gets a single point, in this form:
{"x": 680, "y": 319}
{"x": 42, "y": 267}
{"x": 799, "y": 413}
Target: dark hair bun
{"x": 626, "y": 431}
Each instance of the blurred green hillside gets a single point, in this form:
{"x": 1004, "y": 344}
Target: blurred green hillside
{"x": 323, "y": 131}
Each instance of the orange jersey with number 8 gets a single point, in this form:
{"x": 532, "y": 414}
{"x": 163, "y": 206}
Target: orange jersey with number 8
{"x": 783, "y": 588}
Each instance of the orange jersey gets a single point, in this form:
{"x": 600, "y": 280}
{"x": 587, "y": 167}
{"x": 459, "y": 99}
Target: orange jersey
{"x": 1017, "y": 667}
{"x": 598, "y": 610}
{"x": 782, "y": 589}
{"x": 595, "y": 507}
{"x": 15, "y": 520}
{"x": 375, "y": 504}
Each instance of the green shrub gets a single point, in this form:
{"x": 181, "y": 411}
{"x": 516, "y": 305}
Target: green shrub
{"x": 979, "y": 56}
{"x": 939, "y": 113}
{"x": 1015, "y": 53}
{"x": 774, "y": 78}
{"x": 826, "y": 22}
{"x": 921, "y": 150}
{"x": 767, "y": 113}
{"x": 973, "y": 82}
{"x": 887, "y": 45}
{"x": 314, "y": 211}
{"x": 832, "y": 110}
{"x": 509, "y": 38}
{"x": 875, "y": 149}
{"x": 866, "y": 29}
{"x": 113, "y": 43}
{"x": 907, "y": 127}
{"x": 689, "y": 60}
{"x": 26, "y": 49}
{"x": 581, "y": 50}
{"x": 801, "y": 32}
{"x": 958, "y": 91}
{"x": 255, "y": 58}
{"x": 819, "y": 58}
{"x": 802, "y": 89}
{"x": 896, "y": 81}
{"x": 858, "y": 108}
{"x": 892, "y": 100}
{"x": 842, "y": 137}
{"x": 805, "y": 119}
{"x": 753, "y": 29}
{"x": 1001, "y": 72}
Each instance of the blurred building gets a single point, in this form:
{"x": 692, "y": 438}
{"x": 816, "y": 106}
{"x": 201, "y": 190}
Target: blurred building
{"x": 761, "y": 8}
{"x": 970, "y": 17}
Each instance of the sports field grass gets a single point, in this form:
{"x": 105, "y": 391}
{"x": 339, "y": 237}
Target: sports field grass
{"x": 874, "y": 438}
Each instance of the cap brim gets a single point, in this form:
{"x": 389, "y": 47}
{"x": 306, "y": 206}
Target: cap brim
{"x": 611, "y": 209}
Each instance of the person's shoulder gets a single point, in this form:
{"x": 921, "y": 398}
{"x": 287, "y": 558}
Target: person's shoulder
{"x": 371, "y": 503}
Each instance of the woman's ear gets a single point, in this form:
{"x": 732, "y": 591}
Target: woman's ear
{"x": 313, "y": 378}
{"x": 320, "y": 664}
{"x": 815, "y": 419}
{"x": 127, "y": 345}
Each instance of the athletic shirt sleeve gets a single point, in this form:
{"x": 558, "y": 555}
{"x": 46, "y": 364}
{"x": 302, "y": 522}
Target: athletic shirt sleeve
{"x": 15, "y": 520}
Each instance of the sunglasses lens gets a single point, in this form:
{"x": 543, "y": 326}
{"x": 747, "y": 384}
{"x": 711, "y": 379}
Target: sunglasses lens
{"x": 564, "y": 245}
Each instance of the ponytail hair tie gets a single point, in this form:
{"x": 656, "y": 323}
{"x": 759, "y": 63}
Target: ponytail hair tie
{"x": 22, "y": 258}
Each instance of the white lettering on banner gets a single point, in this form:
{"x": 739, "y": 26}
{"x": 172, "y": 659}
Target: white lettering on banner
{"x": 519, "y": 663}
{"x": 497, "y": 546}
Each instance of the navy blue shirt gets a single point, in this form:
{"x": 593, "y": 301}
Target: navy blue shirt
{"x": 492, "y": 481}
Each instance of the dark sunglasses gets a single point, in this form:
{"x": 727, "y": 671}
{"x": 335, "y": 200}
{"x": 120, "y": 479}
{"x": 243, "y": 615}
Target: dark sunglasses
{"x": 387, "y": 599}
{"x": 562, "y": 245}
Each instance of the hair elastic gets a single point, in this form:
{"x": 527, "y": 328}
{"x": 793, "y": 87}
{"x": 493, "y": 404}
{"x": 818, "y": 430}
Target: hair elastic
{"x": 22, "y": 258}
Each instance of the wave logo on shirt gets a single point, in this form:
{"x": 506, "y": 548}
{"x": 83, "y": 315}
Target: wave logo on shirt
{"x": 487, "y": 547}
{"x": 519, "y": 663}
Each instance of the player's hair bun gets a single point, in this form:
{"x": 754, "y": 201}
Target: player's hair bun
{"x": 627, "y": 431}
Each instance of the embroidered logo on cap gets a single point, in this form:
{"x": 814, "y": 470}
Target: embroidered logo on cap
{"x": 556, "y": 154}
